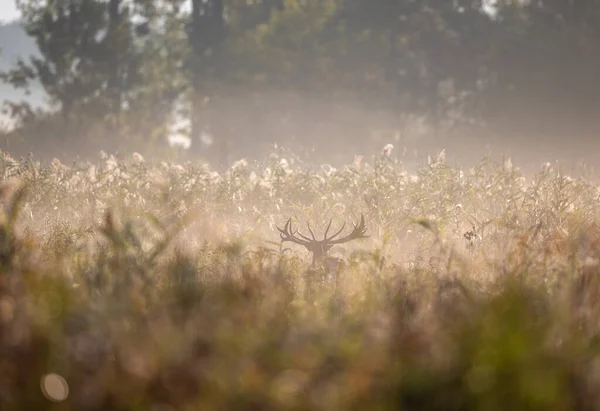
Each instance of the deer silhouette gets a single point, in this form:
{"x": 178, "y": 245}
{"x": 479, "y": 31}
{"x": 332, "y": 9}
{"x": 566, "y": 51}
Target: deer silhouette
{"x": 320, "y": 248}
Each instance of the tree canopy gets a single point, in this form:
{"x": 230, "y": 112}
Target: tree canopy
{"x": 123, "y": 73}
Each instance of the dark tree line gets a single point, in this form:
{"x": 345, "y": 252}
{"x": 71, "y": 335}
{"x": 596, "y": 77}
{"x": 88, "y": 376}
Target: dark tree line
{"x": 119, "y": 72}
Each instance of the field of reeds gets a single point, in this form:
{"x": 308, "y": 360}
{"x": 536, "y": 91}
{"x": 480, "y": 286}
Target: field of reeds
{"x": 132, "y": 285}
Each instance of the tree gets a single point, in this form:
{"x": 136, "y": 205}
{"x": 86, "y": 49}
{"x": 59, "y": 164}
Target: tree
{"x": 206, "y": 32}
{"x": 213, "y": 72}
{"x": 162, "y": 47}
{"x": 543, "y": 80}
{"x": 409, "y": 59}
{"x": 107, "y": 67}
{"x": 66, "y": 34}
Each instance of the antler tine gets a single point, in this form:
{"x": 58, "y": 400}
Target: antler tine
{"x": 361, "y": 225}
{"x": 336, "y": 234}
{"x": 285, "y": 227}
{"x": 311, "y": 231}
{"x": 303, "y": 236}
{"x": 358, "y": 232}
{"x": 285, "y": 232}
{"x": 327, "y": 229}
{"x": 288, "y": 234}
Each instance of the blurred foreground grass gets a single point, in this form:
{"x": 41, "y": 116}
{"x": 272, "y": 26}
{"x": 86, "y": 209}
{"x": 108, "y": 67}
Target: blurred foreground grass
{"x": 135, "y": 286}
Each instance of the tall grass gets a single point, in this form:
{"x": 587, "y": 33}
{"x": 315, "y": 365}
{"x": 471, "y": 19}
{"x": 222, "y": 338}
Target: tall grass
{"x": 130, "y": 285}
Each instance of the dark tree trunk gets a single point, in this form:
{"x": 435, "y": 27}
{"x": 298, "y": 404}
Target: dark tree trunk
{"x": 206, "y": 32}
{"x": 114, "y": 92}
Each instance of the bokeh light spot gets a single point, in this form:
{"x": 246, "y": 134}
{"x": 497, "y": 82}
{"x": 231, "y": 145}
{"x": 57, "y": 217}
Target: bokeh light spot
{"x": 55, "y": 387}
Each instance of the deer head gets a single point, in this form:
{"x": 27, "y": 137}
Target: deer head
{"x": 320, "y": 248}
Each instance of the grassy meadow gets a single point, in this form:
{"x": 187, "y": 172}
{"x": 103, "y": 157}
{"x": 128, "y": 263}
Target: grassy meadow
{"x": 132, "y": 285}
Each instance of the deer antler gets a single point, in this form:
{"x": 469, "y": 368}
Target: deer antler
{"x": 287, "y": 234}
{"x": 358, "y": 232}
{"x": 319, "y": 248}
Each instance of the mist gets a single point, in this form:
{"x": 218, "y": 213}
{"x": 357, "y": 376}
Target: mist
{"x": 473, "y": 87}
{"x": 300, "y": 205}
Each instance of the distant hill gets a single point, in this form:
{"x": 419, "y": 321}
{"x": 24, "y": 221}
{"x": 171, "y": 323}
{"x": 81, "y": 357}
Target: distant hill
{"x": 15, "y": 44}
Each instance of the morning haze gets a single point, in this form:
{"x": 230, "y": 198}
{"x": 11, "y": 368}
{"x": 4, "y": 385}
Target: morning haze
{"x": 327, "y": 79}
{"x": 288, "y": 205}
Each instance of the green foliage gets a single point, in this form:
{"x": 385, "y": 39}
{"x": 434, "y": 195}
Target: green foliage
{"x": 107, "y": 69}
{"x": 527, "y": 88}
{"x": 126, "y": 74}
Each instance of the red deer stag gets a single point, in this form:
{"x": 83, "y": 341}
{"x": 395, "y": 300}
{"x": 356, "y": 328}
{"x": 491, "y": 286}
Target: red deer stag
{"x": 320, "y": 248}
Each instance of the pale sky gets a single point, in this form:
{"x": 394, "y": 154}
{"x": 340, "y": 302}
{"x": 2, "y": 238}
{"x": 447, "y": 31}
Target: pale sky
{"x": 8, "y": 11}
